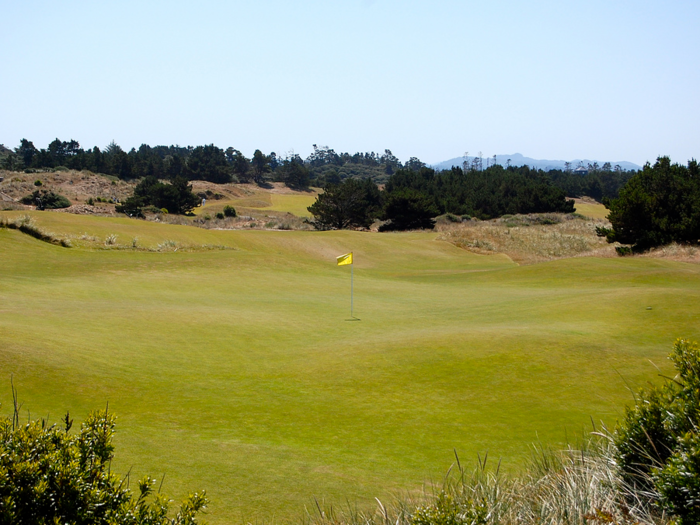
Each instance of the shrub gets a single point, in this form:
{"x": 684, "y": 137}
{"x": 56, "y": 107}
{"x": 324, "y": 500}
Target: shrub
{"x": 219, "y": 215}
{"x": 176, "y": 197}
{"x": 229, "y": 211}
{"x": 48, "y": 475}
{"x": 46, "y": 200}
{"x": 37, "y": 182}
{"x": 679, "y": 481}
{"x": 446, "y": 511}
{"x": 658, "y": 444}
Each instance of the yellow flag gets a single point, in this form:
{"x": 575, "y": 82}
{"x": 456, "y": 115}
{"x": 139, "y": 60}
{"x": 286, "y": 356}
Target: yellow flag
{"x": 345, "y": 259}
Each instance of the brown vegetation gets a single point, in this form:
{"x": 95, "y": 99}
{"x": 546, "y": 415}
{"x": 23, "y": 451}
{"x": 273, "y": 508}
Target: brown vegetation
{"x": 529, "y": 239}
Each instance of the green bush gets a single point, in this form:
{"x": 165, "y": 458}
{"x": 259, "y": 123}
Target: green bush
{"x": 37, "y": 182}
{"x": 229, "y": 211}
{"x": 678, "y": 481}
{"x": 219, "y": 215}
{"x": 658, "y": 446}
{"x": 176, "y": 197}
{"x": 48, "y": 475}
{"x": 447, "y": 511}
{"x": 46, "y": 200}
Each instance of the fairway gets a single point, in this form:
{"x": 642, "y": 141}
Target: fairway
{"x": 262, "y": 201}
{"x": 234, "y": 368}
{"x": 591, "y": 209}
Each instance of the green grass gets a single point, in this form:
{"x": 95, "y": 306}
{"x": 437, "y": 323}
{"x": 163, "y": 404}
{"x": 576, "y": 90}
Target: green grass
{"x": 237, "y": 370}
{"x": 296, "y": 204}
{"x": 593, "y": 210}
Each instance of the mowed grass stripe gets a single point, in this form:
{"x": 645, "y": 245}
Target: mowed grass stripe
{"x": 236, "y": 371}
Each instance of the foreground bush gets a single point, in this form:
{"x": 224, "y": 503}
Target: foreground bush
{"x": 658, "y": 443}
{"x": 48, "y": 475}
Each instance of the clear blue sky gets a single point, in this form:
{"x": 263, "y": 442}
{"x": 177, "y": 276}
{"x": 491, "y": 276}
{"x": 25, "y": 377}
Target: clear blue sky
{"x": 606, "y": 80}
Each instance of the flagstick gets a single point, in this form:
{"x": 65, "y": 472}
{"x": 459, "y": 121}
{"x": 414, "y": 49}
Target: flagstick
{"x": 352, "y": 266}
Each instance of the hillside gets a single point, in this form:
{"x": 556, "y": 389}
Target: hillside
{"x": 258, "y": 206}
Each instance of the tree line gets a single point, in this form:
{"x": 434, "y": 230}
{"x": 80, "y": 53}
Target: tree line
{"x": 322, "y": 167}
{"x": 208, "y": 162}
{"x": 411, "y": 199}
{"x": 600, "y": 183}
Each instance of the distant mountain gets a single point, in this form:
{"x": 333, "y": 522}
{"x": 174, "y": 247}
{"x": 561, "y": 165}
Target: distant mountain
{"x": 516, "y": 159}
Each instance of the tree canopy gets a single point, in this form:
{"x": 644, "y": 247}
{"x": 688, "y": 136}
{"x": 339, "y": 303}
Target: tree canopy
{"x": 350, "y": 204}
{"x": 658, "y": 205}
{"x": 176, "y": 197}
{"x": 485, "y": 194}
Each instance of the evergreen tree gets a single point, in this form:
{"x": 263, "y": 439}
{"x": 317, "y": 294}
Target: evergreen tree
{"x": 350, "y": 204}
{"x": 659, "y": 205}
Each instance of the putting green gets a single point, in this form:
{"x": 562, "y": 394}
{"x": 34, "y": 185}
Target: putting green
{"x": 237, "y": 370}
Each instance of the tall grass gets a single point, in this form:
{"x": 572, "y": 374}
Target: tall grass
{"x": 530, "y": 238}
{"x": 579, "y": 485}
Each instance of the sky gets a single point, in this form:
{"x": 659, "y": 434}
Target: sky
{"x": 605, "y": 80}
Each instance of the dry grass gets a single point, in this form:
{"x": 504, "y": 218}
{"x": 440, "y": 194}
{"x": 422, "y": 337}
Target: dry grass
{"x": 675, "y": 252}
{"x": 529, "y": 239}
{"x": 578, "y": 486}
{"x": 260, "y": 221}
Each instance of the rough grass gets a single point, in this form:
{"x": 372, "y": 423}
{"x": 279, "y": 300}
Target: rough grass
{"x": 26, "y": 224}
{"x": 237, "y": 371}
{"x": 530, "y": 239}
{"x": 579, "y": 485}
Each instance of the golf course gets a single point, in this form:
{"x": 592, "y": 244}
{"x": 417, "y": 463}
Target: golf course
{"x": 233, "y": 365}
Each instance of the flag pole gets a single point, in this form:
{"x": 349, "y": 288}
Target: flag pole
{"x": 352, "y": 267}
{"x": 342, "y": 261}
